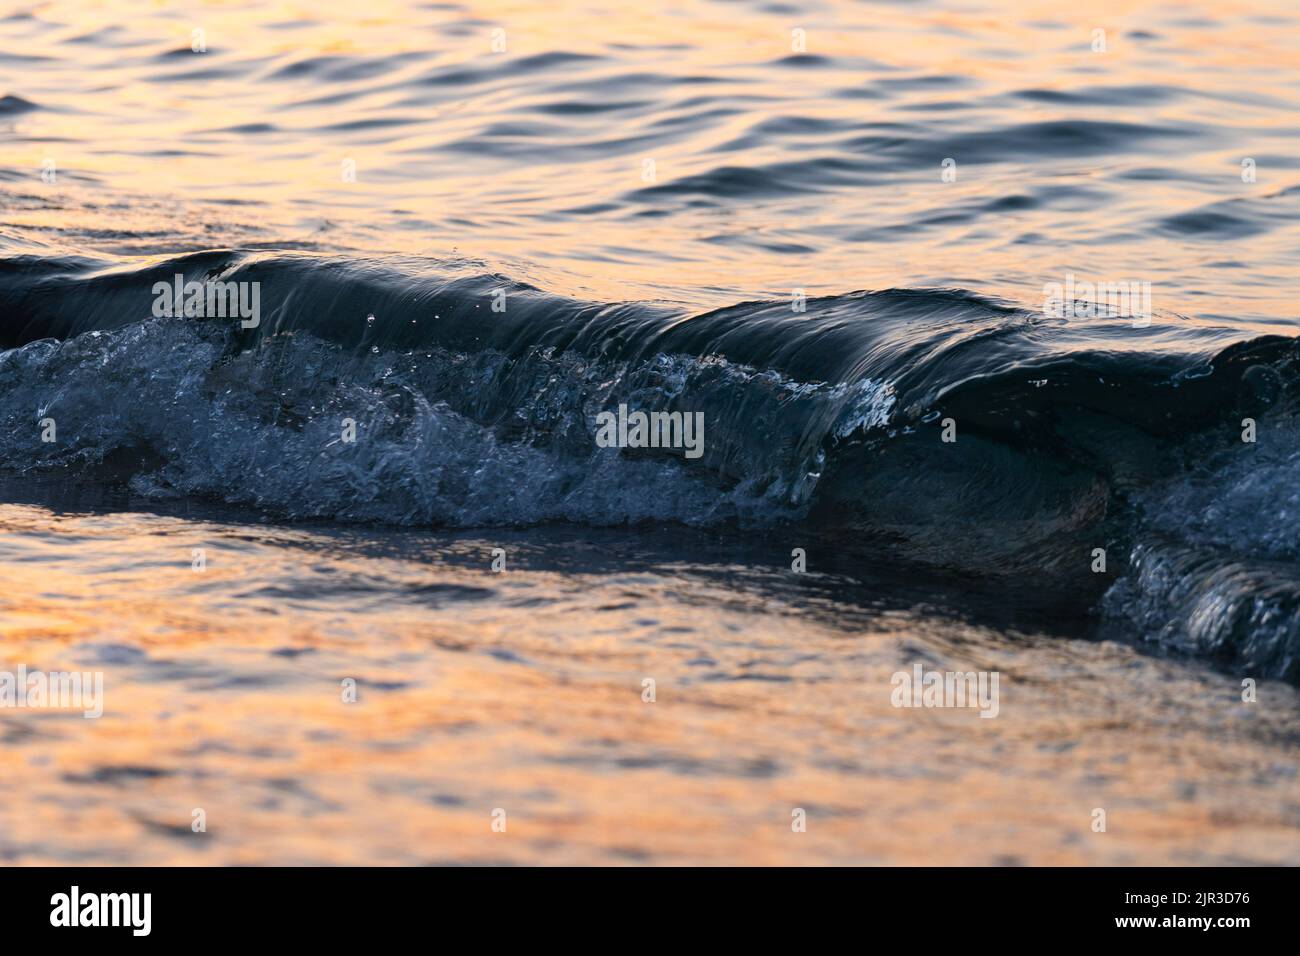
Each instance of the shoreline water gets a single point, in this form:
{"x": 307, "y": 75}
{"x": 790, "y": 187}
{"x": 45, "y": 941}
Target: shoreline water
{"x": 523, "y": 690}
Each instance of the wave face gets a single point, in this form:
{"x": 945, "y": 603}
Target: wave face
{"x": 463, "y": 416}
{"x": 1215, "y": 571}
{"x": 964, "y": 431}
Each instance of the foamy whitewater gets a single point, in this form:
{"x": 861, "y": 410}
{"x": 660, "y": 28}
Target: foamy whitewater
{"x": 307, "y": 341}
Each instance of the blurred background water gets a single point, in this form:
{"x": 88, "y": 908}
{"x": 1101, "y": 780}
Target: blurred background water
{"x": 772, "y": 169}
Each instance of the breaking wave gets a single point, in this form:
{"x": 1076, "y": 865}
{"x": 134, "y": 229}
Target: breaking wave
{"x": 1069, "y": 437}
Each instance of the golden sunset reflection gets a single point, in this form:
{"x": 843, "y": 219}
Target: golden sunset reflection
{"x": 227, "y": 697}
{"x": 531, "y": 158}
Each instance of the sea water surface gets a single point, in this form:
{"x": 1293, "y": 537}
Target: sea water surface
{"x": 825, "y": 226}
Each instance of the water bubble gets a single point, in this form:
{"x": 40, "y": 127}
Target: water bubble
{"x": 1261, "y": 386}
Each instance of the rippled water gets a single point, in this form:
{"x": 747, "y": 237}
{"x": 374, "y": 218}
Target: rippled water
{"x": 655, "y": 193}
{"x": 771, "y": 169}
{"x": 523, "y": 691}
